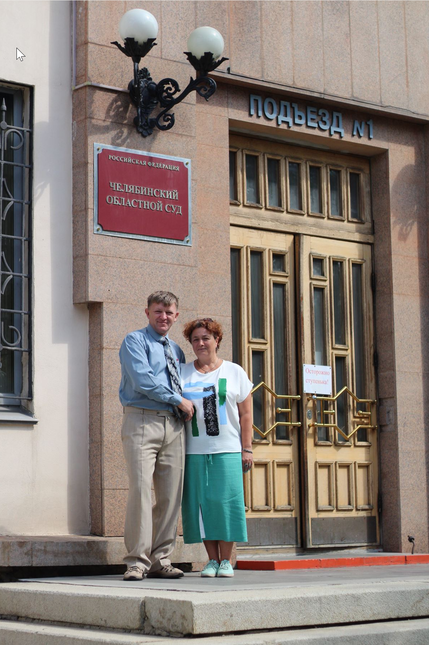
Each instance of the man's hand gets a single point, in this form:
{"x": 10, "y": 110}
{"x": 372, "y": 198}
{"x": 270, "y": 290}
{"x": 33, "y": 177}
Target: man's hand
{"x": 188, "y": 408}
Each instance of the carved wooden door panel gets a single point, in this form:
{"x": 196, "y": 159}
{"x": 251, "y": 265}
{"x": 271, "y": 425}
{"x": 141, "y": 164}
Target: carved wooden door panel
{"x": 263, "y": 283}
{"x": 341, "y": 479}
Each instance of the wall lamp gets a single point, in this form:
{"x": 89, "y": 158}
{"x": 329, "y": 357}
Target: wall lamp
{"x": 138, "y": 28}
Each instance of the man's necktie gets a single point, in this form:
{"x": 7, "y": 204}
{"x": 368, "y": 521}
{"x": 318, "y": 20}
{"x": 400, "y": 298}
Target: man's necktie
{"x": 173, "y": 371}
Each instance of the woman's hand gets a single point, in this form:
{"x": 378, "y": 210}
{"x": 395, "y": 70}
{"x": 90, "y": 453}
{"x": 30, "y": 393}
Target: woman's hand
{"x": 246, "y": 459}
{"x": 245, "y": 414}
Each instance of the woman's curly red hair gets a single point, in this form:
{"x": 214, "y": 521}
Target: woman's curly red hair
{"x": 212, "y": 327}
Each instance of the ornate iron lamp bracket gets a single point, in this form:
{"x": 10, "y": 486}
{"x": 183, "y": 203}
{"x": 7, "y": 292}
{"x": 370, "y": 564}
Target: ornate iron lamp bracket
{"x": 148, "y": 95}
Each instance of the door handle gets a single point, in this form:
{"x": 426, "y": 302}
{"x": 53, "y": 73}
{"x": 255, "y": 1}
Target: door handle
{"x": 362, "y": 418}
{"x": 287, "y": 411}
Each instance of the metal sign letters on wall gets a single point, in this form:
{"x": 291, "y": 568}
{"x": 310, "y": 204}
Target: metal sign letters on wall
{"x": 290, "y": 115}
{"x": 142, "y": 195}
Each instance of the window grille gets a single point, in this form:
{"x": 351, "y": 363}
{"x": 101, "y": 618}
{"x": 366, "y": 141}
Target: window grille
{"x": 15, "y": 248}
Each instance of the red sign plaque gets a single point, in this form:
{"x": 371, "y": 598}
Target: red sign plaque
{"x": 142, "y": 195}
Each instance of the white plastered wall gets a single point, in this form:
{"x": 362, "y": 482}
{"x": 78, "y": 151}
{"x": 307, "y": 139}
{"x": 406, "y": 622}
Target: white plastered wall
{"x": 44, "y": 486}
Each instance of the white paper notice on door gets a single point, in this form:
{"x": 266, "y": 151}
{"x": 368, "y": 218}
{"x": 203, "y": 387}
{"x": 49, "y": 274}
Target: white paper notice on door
{"x": 317, "y": 379}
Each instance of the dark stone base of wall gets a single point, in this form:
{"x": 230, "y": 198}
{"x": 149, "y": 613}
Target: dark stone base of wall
{"x": 76, "y": 551}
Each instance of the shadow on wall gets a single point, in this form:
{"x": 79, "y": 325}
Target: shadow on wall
{"x": 410, "y": 211}
{"x": 411, "y": 223}
{"x": 117, "y": 118}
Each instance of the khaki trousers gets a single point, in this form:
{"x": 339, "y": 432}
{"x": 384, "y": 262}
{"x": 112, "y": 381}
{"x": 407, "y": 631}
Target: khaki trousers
{"x": 154, "y": 447}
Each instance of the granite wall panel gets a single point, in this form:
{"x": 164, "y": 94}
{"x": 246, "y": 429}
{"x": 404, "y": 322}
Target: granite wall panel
{"x": 336, "y": 48}
{"x": 103, "y": 21}
{"x": 393, "y": 55}
{"x": 417, "y": 34}
{"x": 277, "y": 42}
{"x": 81, "y": 22}
{"x": 95, "y": 418}
{"x": 365, "y": 51}
{"x": 308, "y": 45}
{"x": 114, "y": 505}
{"x": 178, "y": 18}
{"x": 245, "y": 38}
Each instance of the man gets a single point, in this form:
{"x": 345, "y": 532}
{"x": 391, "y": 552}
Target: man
{"x": 153, "y": 439}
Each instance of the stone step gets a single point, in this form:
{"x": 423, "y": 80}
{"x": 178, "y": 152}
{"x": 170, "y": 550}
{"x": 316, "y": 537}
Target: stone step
{"x": 407, "y": 632}
{"x": 88, "y": 606}
{"x": 171, "y": 613}
{"x": 34, "y": 633}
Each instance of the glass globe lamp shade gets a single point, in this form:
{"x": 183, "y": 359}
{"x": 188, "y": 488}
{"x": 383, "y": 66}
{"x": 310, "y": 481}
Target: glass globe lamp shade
{"x": 138, "y": 24}
{"x": 205, "y": 39}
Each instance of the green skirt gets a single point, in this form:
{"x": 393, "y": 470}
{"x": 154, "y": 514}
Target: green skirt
{"x": 214, "y": 485}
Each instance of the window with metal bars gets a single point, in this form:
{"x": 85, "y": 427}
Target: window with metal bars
{"x": 15, "y": 246}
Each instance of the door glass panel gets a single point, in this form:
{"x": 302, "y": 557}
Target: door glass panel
{"x": 354, "y": 196}
{"x": 235, "y": 304}
{"x": 252, "y": 180}
{"x": 256, "y": 294}
{"x": 319, "y": 347}
{"x": 358, "y": 338}
{"x": 258, "y": 375}
{"x": 295, "y": 202}
{"x": 232, "y": 176}
{"x": 340, "y": 382}
{"x": 313, "y": 183}
{"x": 318, "y": 267}
{"x": 279, "y": 341}
{"x": 279, "y": 263}
{"x": 319, "y": 326}
{"x": 335, "y": 192}
{"x": 339, "y": 305}
{"x": 274, "y": 196}
{"x": 315, "y": 190}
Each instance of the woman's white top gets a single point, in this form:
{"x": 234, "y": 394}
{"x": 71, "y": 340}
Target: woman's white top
{"x": 215, "y": 426}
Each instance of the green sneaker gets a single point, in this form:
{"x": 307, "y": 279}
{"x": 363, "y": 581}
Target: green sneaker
{"x": 210, "y": 570}
{"x": 225, "y": 570}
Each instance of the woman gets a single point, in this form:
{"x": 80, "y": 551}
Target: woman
{"x": 218, "y": 448}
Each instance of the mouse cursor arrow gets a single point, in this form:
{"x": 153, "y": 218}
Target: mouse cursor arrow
{"x": 19, "y": 55}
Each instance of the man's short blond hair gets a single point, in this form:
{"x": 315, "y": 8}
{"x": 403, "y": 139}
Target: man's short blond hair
{"x": 165, "y": 298}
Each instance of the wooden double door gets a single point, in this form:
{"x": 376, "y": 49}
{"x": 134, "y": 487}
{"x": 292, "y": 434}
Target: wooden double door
{"x": 299, "y": 300}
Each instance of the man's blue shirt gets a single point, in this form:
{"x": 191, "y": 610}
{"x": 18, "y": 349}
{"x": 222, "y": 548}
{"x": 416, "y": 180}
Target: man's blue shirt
{"x": 145, "y": 381}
